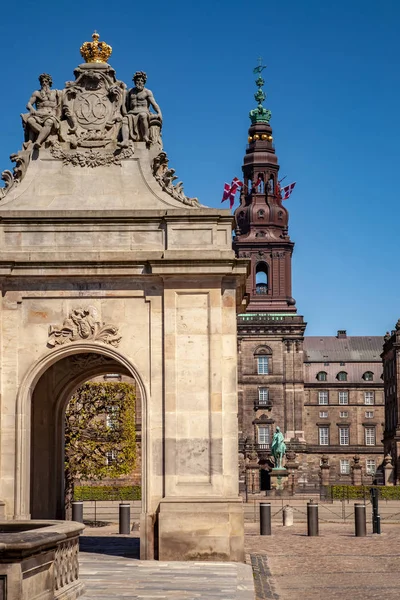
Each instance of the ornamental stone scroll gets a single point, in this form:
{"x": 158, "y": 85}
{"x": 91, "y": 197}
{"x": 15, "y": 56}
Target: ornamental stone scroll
{"x": 82, "y": 324}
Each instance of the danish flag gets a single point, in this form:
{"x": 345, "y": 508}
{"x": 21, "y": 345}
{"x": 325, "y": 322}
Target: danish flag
{"x": 230, "y": 191}
{"x": 287, "y": 190}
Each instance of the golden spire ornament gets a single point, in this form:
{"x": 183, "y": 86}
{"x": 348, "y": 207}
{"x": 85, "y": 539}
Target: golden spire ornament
{"x": 95, "y": 51}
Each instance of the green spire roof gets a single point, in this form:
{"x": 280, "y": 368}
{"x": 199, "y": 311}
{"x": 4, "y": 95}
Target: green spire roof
{"x": 259, "y": 114}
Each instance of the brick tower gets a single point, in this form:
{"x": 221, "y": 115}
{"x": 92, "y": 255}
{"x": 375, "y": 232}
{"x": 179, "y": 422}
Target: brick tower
{"x": 270, "y": 332}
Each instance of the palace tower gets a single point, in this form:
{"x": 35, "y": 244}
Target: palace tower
{"x": 270, "y": 332}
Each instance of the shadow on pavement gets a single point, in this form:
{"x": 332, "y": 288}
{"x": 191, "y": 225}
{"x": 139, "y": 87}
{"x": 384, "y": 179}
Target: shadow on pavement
{"x": 129, "y": 547}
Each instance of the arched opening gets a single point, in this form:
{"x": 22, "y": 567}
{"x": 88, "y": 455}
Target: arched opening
{"x": 262, "y": 278}
{"x": 50, "y": 398}
{"x": 271, "y": 185}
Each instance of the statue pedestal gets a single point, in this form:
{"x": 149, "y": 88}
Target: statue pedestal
{"x": 279, "y": 480}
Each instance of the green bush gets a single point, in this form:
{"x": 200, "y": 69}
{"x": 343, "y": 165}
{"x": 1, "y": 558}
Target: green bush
{"x": 107, "y": 492}
{"x": 357, "y": 492}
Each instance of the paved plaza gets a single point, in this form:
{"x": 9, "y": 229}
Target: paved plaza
{"x": 286, "y": 566}
{"x": 336, "y": 565}
{"x": 110, "y": 568}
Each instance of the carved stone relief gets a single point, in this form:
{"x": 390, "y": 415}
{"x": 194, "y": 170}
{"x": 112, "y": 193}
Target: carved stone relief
{"x": 81, "y": 324}
{"x": 83, "y": 362}
{"x": 91, "y": 158}
{"x": 166, "y": 176}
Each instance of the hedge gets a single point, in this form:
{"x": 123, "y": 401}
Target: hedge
{"x": 107, "y": 492}
{"x": 356, "y": 492}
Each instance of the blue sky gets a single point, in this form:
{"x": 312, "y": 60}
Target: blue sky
{"x": 333, "y": 86}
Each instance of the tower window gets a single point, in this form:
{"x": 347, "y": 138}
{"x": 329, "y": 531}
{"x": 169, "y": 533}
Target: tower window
{"x": 263, "y": 365}
{"x": 263, "y": 434}
{"x": 263, "y": 396}
{"x": 263, "y": 355}
{"x": 262, "y": 278}
{"x": 271, "y": 185}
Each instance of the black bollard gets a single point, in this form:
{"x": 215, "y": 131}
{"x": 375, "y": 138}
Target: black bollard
{"x": 360, "y": 519}
{"x": 312, "y": 518}
{"x": 376, "y": 519}
{"x": 265, "y": 518}
{"x": 378, "y": 524}
{"x": 77, "y": 511}
{"x": 124, "y": 518}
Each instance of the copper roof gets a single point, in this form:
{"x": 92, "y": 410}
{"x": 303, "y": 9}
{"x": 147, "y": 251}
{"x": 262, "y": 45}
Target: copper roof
{"x": 342, "y": 349}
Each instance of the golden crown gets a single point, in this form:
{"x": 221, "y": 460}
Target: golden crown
{"x": 96, "y": 52}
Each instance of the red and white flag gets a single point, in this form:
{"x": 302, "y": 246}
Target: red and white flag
{"x": 230, "y": 191}
{"x": 287, "y": 190}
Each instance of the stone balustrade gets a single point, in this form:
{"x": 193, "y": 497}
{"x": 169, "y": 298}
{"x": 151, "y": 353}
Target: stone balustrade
{"x": 39, "y": 559}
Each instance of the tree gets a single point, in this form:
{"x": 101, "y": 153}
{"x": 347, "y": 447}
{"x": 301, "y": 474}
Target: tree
{"x": 99, "y": 433}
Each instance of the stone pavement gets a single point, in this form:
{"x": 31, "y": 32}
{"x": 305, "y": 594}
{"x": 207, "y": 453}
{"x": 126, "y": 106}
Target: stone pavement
{"x": 334, "y": 566}
{"x": 110, "y": 569}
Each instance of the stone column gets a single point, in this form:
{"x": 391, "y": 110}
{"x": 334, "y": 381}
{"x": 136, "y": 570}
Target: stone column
{"x": 356, "y": 471}
{"x": 325, "y": 471}
{"x": 292, "y": 468}
{"x": 388, "y": 470}
{"x": 253, "y": 474}
{"x": 201, "y": 515}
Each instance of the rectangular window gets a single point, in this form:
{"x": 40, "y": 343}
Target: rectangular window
{"x": 112, "y": 417}
{"x": 111, "y": 457}
{"x": 322, "y": 397}
{"x": 262, "y": 365}
{"x": 371, "y": 467}
{"x": 324, "y": 436}
{"x": 344, "y": 436}
{"x": 343, "y": 397}
{"x": 370, "y": 436}
{"x": 263, "y": 395}
{"x": 344, "y": 467}
{"x": 368, "y": 397}
{"x": 263, "y": 434}
{"x": 323, "y": 415}
{"x": 344, "y": 414}
{"x": 369, "y": 414}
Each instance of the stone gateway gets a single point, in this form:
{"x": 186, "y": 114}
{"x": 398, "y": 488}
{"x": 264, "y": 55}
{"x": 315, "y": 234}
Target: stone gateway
{"x": 108, "y": 267}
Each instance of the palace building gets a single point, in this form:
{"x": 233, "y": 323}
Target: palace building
{"x": 324, "y": 392}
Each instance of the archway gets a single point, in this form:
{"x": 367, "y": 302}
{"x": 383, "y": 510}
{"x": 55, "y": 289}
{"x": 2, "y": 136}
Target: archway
{"x": 46, "y": 391}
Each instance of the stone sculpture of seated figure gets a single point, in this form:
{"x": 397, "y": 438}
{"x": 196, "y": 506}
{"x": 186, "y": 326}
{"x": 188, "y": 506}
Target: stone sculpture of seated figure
{"x": 136, "y": 121}
{"x": 43, "y": 117}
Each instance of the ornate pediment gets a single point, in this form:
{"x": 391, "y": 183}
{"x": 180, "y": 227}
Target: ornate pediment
{"x": 95, "y": 121}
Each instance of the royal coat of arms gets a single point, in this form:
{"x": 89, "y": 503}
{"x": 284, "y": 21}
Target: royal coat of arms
{"x": 93, "y": 106}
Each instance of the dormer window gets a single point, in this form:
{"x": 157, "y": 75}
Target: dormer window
{"x": 342, "y": 376}
{"x": 368, "y": 376}
{"x": 322, "y": 376}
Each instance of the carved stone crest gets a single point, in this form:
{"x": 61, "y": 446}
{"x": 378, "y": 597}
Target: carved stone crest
{"x": 82, "y": 324}
{"x": 92, "y": 105}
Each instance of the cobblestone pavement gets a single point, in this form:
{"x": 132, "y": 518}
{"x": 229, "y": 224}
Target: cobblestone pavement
{"x": 335, "y": 565}
{"x": 108, "y": 571}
